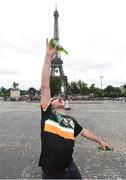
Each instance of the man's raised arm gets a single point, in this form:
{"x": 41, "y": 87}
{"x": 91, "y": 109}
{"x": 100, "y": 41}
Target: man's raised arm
{"x": 45, "y": 81}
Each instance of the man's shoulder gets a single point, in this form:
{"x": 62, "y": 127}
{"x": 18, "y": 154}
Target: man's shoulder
{"x": 45, "y": 107}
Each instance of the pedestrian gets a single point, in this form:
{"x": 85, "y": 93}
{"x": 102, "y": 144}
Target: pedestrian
{"x": 58, "y": 131}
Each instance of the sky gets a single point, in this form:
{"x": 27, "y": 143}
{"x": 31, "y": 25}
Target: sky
{"x": 92, "y": 31}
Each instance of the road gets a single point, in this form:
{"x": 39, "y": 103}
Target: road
{"x": 20, "y": 140}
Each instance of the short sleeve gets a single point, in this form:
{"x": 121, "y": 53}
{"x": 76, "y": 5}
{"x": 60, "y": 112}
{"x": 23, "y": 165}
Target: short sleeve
{"x": 47, "y": 109}
{"x": 46, "y": 113}
{"x": 78, "y": 128}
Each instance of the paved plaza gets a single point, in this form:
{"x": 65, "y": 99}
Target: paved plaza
{"x": 20, "y": 140}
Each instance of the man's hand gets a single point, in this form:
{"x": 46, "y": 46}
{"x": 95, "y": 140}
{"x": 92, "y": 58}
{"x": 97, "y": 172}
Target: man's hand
{"x": 104, "y": 145}
{"x": 50, "y": 51}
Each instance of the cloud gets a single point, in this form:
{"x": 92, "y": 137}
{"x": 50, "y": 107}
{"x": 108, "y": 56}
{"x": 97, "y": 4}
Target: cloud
{"x": 95, "y": 40}
{"x": 8, "y": 72}
{"x": 2, "y": 55}
{"x": 26, "y": 46}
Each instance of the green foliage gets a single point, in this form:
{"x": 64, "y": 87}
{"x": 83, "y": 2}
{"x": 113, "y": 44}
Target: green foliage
{"x": 124, "y": 87}
{"x": 2, "y": 91}
{"x": 74, "y": 89}
{"x": 83, "y": 89}
{"x": 23, "y": 92}
{"x": 92, "y": 88}
{"x": 111, "y": 91}
{"x": 5, "y": 92}
{"x": 55, "y": 85}
{"x": 32, "y": 91}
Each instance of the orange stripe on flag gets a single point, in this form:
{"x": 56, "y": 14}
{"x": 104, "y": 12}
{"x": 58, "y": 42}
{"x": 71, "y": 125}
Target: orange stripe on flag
{"x": 56, "y": 130}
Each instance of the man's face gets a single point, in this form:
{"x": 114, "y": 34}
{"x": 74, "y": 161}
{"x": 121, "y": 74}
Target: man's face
{"x": 58, "y": 103}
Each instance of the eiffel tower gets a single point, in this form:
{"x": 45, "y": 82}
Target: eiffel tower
{"x": 57, "y": 63}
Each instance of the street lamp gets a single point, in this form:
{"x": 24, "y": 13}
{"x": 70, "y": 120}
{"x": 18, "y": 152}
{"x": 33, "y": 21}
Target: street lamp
{"x": 101, "y": 77}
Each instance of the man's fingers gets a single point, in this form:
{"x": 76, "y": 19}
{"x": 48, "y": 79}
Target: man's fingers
{"x": 104, "y": 148}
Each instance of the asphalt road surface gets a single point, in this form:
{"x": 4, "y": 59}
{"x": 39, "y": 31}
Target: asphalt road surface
{"x": 20, "y": 140}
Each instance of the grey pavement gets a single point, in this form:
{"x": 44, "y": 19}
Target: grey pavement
{"x": 20, "y": 140}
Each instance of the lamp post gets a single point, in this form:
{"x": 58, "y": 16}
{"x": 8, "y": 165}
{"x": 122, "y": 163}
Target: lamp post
{"x": 101, "y": 77}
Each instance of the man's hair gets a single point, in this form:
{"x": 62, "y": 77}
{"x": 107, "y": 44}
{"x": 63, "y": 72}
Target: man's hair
{"x": 57, "y": 97}
{"x": 53, "y": 99}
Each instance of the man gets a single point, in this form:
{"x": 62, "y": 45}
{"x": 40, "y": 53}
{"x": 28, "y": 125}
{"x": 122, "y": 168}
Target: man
{"x": 58, "y": 131}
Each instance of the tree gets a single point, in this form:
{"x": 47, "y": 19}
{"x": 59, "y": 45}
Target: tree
{"x": 117, "y": 92}
{"x": 7, "y": 94}
{"x": 95, "y": 91}
{"x": 92, "y": 89}
{"x": 32, "y": 91}
{"x": 109, "y": 91}
{"x": 2, "y": 91}
{"x": 23, "y": 92}
{"x": 74, "y": 90}
{"x": 55, "y": 85}
{"x": 83, "y": 89}
{"x": 124, "y": 87}
{"x": 112, "y": 92}
{"x": 68, "y": 89}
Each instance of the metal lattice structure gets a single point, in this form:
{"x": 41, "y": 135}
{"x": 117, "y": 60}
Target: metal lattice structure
{"x": 57, "y": 63}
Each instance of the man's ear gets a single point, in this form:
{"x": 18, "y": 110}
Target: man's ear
{"x": 53, "y": 107}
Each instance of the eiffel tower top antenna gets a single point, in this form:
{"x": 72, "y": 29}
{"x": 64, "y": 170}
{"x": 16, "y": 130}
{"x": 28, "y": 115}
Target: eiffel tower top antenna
{"x": 55, "y": 5}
